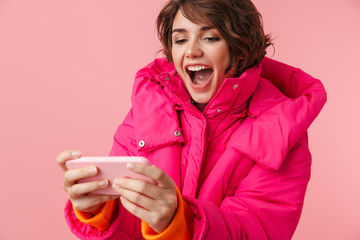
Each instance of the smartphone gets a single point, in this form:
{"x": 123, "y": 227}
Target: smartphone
{"x": 109, "y": 168}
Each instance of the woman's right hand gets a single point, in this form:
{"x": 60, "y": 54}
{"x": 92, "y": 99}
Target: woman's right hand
{"x": 78, "y": 193}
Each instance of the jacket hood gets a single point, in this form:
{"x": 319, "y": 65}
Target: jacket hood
{"x": 285, "y": 103}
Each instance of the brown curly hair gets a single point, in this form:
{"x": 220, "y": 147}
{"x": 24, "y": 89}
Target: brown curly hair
{"x": 238, "y": 22}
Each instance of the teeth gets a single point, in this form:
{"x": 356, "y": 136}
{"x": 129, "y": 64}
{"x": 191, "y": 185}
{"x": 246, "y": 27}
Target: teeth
{"x": 196, "y": 68}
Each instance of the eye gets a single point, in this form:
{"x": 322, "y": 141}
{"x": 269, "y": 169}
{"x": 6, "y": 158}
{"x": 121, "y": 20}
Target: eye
{"x": 212, "y": 39}
{"x": 180, "y": 41}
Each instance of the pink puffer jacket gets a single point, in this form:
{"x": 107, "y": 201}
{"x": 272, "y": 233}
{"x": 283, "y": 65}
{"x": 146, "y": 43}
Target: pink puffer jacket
{"x": 242, "y": 165}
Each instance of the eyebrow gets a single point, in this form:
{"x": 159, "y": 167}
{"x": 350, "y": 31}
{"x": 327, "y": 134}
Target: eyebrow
{"x": 181, "y": 30}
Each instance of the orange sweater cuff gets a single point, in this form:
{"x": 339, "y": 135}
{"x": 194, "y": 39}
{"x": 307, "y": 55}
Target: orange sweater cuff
{"x": 101, "y": 220}
{"x": 180, "y": 226}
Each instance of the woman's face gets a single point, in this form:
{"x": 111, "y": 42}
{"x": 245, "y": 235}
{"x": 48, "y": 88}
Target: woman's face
{"x": 200, "y": 56}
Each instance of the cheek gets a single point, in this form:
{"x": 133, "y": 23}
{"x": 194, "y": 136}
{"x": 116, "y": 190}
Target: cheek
{"x": 175, "y": 58}
{"x": 221, "y": 58}
{"x": 225, "y": 58}
{"x": 223, "y": 55}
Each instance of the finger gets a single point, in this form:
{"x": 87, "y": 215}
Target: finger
{"x": 153, "y": 172}
{"x": 88, "y": 203}
{"x": 73, "y": 175}
{"x": 65, "y": 156}
{"x": 137, "y": 198}
{"x": 137, "y": 186}
{"x": 137, "y": 211}
{"x": 80, "y": 189}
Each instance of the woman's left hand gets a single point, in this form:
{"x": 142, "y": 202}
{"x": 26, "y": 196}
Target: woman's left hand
{"x": 155, "y": 204}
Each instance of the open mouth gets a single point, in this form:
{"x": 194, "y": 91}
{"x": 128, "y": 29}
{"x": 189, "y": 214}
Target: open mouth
{"x": 199, "y": 74}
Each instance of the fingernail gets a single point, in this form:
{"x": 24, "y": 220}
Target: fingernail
{"x": 103, "y": 183}
{"x": 117, "y": 183}
{"x": 75, "y": 154}
{"x": 130, "y": 165}
{"x": 92, "y": 170}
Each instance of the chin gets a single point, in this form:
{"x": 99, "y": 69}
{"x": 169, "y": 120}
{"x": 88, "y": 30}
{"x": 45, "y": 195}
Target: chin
{"x": 200, "y": 99}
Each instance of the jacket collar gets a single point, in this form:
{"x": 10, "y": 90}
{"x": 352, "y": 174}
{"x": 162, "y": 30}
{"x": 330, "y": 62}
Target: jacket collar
{"x": 159, "y": 92}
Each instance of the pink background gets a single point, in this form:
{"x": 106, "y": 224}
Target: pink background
{"x": 66, "y": 70}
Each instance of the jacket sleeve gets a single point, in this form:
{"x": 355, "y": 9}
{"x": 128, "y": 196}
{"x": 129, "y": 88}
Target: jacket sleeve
{"x": 266, "y": 205}
{"x": 124, "y": 225}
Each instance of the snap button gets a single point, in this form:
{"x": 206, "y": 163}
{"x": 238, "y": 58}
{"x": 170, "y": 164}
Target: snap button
{"x": 219, "y": 110}
{"x": 167, "y": 78}
{"x": 141, "y": 144}
{"x": 177, "y": 133}
{"x": 235, "y": 86}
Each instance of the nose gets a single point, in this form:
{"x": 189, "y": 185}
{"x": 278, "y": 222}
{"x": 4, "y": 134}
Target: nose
{"x": 193, "y": 50}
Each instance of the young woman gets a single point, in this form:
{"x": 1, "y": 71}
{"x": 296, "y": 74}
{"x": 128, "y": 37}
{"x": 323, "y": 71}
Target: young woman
{"x": 224, "y": 128}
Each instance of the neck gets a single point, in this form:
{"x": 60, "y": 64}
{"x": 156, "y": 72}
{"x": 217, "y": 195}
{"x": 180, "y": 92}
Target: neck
{"x": 200, "y": 106}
